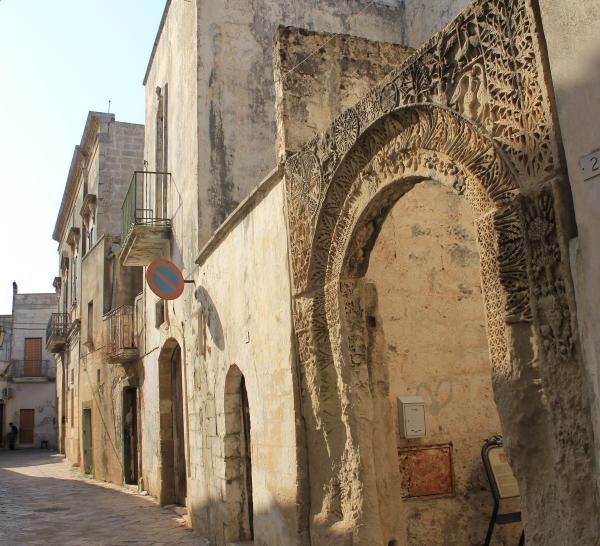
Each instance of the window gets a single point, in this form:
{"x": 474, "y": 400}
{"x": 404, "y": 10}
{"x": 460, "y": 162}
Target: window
{"x": 161, "y": 154}
{"x": 90, "y": 322}
{"x": 32, "y": 367}
{"x": 91, "y": 236}
{"x": 74, "y": 280}
{"x": 159, "y": 313}
{"x": 83, "y": 241}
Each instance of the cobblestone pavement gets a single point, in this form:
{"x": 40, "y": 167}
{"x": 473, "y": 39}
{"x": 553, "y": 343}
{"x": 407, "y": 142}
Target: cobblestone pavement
{"x": 44, "y": 501}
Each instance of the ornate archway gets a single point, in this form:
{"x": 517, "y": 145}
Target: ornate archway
{"x": 470, "y": 110}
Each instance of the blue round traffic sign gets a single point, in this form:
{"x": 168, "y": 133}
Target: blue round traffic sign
{"x": 165, "y": 279}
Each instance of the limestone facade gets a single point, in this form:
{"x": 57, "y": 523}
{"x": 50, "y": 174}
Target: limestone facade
{"x": 357, "y": 221}
{"x": 27, "y": 373}
{"x": 90, "y": 285}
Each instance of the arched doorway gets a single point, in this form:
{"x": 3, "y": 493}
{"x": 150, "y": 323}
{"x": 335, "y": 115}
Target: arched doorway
{"x": 427, "y": 342}
{"x": 336, "y": 207}
{"x": 172, "y": 434}
{"x": 238, "y": 459}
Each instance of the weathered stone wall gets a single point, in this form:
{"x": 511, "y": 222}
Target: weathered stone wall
{"x": 74, "y": 377}
{"x": 121, "y": 152}
{"x": 236, "y": 94}
{"x": 173, "y": 71}
{"x": 101, "y": 382}
{"x": 248, "y": 323}
{"x": 215, "y": 159}
{"x": 423, "y": 18}
{"x": 235, "y": 314}
{"x": 425, "y": 267}
{"x": 571, "y": 31}
{"x": 319, "y": 75}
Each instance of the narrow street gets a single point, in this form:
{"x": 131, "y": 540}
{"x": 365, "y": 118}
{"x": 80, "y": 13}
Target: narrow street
{"x": 45, "y": 501}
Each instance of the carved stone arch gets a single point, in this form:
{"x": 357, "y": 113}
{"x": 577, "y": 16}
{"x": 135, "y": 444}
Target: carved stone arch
{"x": 470, "y": 109}
{"x": 401, "y": 149}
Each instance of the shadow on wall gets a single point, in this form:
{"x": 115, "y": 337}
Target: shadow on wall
{"x": 576, "y": 94}
{"x": 211, "y": 315}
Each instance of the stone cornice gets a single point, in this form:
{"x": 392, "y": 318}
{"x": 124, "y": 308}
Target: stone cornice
{"x": 80, "y": 153}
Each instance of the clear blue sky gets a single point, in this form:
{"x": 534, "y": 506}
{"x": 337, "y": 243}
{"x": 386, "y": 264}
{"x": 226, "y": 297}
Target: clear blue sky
{"x": 58, "y": 60}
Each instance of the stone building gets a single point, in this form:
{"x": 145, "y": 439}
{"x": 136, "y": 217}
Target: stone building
{"x": 27, "y": 372}
{"x": 366, "y": 213}
{"x": 93, "y": 292}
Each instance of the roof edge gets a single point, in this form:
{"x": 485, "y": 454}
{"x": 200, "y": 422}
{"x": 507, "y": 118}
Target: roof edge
{"x": 91, "y": 124}
{"x": 161, "y": 25}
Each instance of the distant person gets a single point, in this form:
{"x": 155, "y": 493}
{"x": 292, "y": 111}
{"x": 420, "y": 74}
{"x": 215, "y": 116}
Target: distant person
{"x": 12, "y": 435}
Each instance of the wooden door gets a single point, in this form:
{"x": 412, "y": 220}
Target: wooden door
{"x": 33, "y": 357}
{"x": 88, "y": 466}
{"x": 179, "y": 467}
{"x": 26, "y": 426}
{"x": 130, "y": 452}
{"x": 246, "y": 451}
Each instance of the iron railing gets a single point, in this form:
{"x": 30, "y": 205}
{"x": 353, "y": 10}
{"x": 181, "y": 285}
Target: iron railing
{"x": 57, "y": 325}
{"x": 120, "y": 330}
{"x": 145, "y": 186}
{"x": 32, "y": 369}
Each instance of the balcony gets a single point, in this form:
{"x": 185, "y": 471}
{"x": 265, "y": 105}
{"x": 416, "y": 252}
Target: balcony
{"x": 145, "y": 232}
{"x": 31, "y": 371}
{"x": 120, "y": 346}
{"x": 56, "y": 332}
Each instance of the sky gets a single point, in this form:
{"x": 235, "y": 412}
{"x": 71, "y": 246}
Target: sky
{"x": 58, "y": 60}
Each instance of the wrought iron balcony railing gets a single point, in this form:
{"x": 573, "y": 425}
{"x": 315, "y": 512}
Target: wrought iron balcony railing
{"x": 31, "y": 369}
{"x": 56, "y": 332}
{"x": 135, "y": 212}
{"x": 120, "y": 343}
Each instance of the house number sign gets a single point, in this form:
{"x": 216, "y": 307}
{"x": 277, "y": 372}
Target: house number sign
{"x": 590, "y": 165}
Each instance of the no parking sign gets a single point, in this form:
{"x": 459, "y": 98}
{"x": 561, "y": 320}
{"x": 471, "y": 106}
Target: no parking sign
{"x": 165, "y": 279}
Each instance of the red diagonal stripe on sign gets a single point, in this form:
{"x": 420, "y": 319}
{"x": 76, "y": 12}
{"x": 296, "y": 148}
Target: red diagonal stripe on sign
{"x": 162, "y": 277}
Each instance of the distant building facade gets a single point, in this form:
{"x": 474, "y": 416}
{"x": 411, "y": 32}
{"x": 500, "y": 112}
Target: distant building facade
{"x": 90, "y": 286}
{"x": 361, "y": 225}
{"x": 28, "y": 372}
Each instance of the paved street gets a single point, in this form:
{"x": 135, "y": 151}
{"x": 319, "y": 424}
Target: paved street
{"x": 44, "y": 501}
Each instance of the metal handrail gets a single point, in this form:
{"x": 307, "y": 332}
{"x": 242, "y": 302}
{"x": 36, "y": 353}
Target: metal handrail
{"x": 57, "y": 325}
{"x": 120, "y": 326}
{"x": 32, "y": 368}
{"x": 133, "y": 211}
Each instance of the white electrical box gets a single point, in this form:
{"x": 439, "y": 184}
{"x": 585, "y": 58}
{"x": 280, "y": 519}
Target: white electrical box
{"x": 411, "y": 416}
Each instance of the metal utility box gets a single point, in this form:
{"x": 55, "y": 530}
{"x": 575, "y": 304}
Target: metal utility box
{"x": 411, "y": 416}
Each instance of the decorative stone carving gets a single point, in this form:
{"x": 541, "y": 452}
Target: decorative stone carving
{"x": 512, "y": 264}
{"x": 548, "y": 283}
{"x": 470, "y": 110}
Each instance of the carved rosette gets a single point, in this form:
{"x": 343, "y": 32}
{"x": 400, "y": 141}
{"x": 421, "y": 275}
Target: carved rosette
{"x": 345, "y": 131}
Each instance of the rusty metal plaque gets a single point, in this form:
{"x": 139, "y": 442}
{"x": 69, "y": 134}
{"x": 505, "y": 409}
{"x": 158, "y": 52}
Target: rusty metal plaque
{"x": 426, "y": 471}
